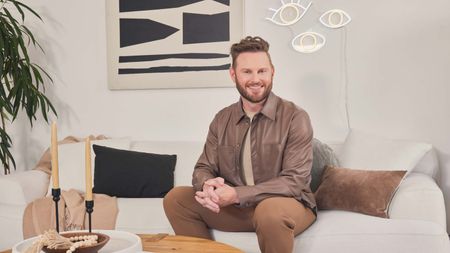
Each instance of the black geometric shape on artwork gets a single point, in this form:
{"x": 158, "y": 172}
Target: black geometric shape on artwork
{"x": 171, "y": 69}
{"x": 137, "y": 31}
{"x": 141, "y": 58}
{"x": 201, "y": 28}
{"x": 143, "y": 5}
{"x": 226, "y": 2}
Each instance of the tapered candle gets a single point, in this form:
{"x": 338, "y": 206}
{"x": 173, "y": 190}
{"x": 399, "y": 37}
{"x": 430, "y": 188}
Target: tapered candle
{"x": 54, "y": 154}
{"x": 88, "y": 170}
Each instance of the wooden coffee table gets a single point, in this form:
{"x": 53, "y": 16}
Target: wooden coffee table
{"x": 164, "y": 243}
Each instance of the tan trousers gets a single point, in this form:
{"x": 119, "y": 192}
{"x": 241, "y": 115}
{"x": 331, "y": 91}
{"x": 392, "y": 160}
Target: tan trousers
{"x": 276, "y": 220}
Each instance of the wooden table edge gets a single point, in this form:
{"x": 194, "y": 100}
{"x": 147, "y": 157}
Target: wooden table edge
{"x": 166, "y": 243}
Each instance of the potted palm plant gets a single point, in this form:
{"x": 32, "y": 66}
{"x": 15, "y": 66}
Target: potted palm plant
{"x": 21, "y": 81}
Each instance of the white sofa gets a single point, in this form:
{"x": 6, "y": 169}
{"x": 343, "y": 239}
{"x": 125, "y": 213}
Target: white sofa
{"x": 417, "y": 212}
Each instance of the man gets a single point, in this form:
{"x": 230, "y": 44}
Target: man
{"x": 254, "y": 172}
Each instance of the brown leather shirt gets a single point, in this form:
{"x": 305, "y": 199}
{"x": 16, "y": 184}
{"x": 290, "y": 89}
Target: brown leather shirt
{"x": 281, "y": 152}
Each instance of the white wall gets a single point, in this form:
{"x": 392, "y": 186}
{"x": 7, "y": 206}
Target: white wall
{"x": 398, "y": 55}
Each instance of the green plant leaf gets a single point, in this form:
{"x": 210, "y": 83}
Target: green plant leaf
{"x": 5, "y": 145}
{"x": 29, "y": 9}
{"x": 22, "y": 15}
{"x": 22, "y": 83}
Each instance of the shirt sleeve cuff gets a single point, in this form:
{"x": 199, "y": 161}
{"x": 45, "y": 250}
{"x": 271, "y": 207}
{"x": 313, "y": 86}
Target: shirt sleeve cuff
{"x": 246, "y": 196}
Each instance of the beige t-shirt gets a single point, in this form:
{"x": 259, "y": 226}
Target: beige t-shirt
{"x": 246, "y": 155}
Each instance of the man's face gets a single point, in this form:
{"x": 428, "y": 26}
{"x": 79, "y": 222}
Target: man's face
{"x": 253, "y": 75}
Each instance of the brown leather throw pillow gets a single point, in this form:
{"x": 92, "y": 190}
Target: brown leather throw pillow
{"x": 363, "y": 191}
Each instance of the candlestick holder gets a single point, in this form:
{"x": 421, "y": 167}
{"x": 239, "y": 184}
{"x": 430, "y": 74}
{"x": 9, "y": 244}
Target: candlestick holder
{"x": 89, "y": 210}
{"x": 56, "y": 193}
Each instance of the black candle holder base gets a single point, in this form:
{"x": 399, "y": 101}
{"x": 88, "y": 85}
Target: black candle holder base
{"x": 89, "y": 210}
{"x": 56, "y": 193}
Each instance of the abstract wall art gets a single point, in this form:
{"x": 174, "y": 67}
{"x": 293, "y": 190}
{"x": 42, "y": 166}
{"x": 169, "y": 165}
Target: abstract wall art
{"x": 154, "y": 44}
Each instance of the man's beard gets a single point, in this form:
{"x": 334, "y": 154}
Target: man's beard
{"x": 250, "y": 98}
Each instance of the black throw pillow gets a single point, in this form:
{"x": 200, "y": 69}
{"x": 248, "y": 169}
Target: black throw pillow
{"x": 131, "y": 174}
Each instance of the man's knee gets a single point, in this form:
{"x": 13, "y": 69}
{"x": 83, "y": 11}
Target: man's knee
{"x": 269, "y": 214}
{"x": 177, "y": 195}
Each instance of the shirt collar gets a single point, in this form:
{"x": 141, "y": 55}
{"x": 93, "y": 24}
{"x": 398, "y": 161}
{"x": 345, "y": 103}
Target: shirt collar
{"x": 269, "y": 109}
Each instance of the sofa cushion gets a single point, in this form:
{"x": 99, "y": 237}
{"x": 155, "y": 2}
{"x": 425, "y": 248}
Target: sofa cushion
{"x": 71, "y": 159}
{"x": 131, "y": 174}
{"x": 343, "y": 232}
{"x": 23, "y": 187}
{"x": 414, "y": 199}
{"x": 428, "y": 165}
{"x": 323, "y": 155}
{"x": 142, "y": 215}
{"x": 367, "y": 151}
{"x": 364, "y": 191}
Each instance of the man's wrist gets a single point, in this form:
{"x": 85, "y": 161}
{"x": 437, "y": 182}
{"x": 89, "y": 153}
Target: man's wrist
{"x": 236, "y": 197}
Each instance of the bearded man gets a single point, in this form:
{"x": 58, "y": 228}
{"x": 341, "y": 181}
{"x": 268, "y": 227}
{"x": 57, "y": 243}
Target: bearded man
{"x": 255, "y": 169}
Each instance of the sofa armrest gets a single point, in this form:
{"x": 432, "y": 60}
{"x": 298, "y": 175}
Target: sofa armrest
{"x": 419, "y": 198}
{"x": 23, "y": 187}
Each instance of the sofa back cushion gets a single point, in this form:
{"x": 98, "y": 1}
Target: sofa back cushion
{"x": 71, "y": 163}
{"x": 187, "y": 153}
{"x": 368, "y": 151}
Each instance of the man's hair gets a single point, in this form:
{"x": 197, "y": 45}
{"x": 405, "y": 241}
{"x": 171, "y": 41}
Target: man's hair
{"x": 249, "y": 44}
